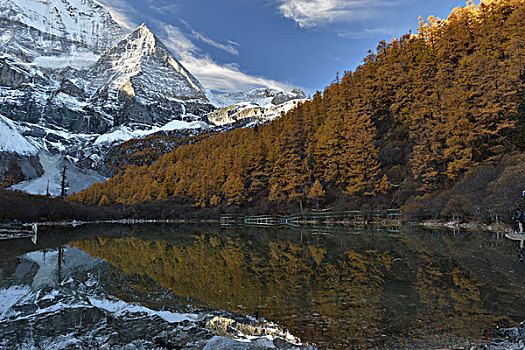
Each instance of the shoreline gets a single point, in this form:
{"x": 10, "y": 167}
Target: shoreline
{"x": 431, "y": 224}
{"x": 468, "y": 226}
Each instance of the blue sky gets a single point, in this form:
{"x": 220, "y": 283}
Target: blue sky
{"x": 236, "y": 45}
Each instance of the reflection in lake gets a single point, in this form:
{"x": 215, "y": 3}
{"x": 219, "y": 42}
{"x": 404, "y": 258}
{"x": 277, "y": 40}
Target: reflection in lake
{"x": 337, "y": 290}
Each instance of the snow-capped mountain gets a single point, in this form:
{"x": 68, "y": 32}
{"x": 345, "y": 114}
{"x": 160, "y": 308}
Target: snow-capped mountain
{"x": 67, "y": 64}
{"x": 139, "y": 80}
{"x": 261, "y": 97}
{"x": 259, "y": 105}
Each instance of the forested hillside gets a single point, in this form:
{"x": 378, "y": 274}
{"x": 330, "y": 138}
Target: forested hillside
{"x": 418, "y": 114}
{"x": 145, "y": 151}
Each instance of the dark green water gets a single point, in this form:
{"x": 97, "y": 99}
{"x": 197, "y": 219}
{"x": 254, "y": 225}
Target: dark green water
{"x": 339, "y": 289}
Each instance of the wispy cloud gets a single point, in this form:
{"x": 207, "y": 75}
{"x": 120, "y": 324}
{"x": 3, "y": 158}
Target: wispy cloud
{"x": 165, "y": 9}
{"x": 199, "y": 36}
{"x": 228, "y": 48}
{"x": 174, "y": 38}
{"x": 212, "y": 75}
{"x": 312, "y": 13}
{"x": 367, "y": 33}
{"x": 182, "y": 41}
{"x": 121, "y": 13}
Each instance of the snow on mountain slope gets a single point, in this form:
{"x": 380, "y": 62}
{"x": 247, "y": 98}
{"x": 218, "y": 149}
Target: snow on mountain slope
{"x": 126, "y": 133}
{"x": 37, "y": 28}
{"x": 245, "y": 110}
{"x": 11, "y": 141}
{"x": 139, "y": 80}
{"x": 42, "y": 43}
{"x": 141, "y": 55}
{"x": 261, "y": 96}
{"x": 78, "y": 179}
{"x": 136, "y": 80}
{"x": 261, "y": 105}
{"x": 79, "y": 60}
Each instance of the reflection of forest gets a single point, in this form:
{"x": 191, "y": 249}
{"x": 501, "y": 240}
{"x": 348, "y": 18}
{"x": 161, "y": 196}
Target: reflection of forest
{"x": 341, "y": 291}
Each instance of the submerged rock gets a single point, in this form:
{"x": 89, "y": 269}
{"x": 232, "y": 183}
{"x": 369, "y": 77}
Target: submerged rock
{"x": 507, "y": 339}
{"x": 263, "y": 335}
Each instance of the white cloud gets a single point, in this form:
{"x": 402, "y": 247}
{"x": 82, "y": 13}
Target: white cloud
{"x": 176, "y": 40}
{"x": 228, "y": 48}
{"x": 367, "y": 33}
{"x": 211, "y": 74}
{"x": 227, "y": 78}
{"x": 120, "y": 12}
{"x": 311, "y": 13}
{"x": 199, "y": 36}
{"x": 165, "y": 9}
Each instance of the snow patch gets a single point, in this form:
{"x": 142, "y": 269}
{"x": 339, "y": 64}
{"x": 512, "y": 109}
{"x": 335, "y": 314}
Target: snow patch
{"x": 11, "y": 141}
{"x": 223, "y": 343}
{"x": 121, "y": 308}
{"x": 53, "y": 166}
{"x": 10, "y": 297}
{"x": 79, "y": 61}
{"x": 179, "y": 125}
{"x": 125, "y": 133}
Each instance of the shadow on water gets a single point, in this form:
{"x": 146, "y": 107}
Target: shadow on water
{"x": 338, "y": 289}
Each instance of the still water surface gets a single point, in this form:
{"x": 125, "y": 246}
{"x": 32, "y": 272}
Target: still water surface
{"x": 332, "y": 289}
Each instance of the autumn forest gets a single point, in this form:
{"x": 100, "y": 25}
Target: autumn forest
{"x": 434, "y": 119}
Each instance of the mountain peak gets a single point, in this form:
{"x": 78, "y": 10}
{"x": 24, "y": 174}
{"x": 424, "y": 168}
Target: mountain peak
{"x": 142, "y": 40}
{"x": 143, "y": 30}
{"x": 141, "y": 69}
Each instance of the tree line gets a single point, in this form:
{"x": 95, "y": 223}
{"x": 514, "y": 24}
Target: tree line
{"x": 420, "y": 112}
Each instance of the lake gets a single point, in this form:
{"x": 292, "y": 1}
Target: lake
{"x": 211, "y": 287}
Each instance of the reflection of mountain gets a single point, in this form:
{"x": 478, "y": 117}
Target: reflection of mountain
{"x": 63, "y": 299}
{"x": 342, "y": 291}
{"x": 59, "y": 296}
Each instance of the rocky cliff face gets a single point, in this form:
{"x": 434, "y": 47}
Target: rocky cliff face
{"x": 284, "y": 96}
